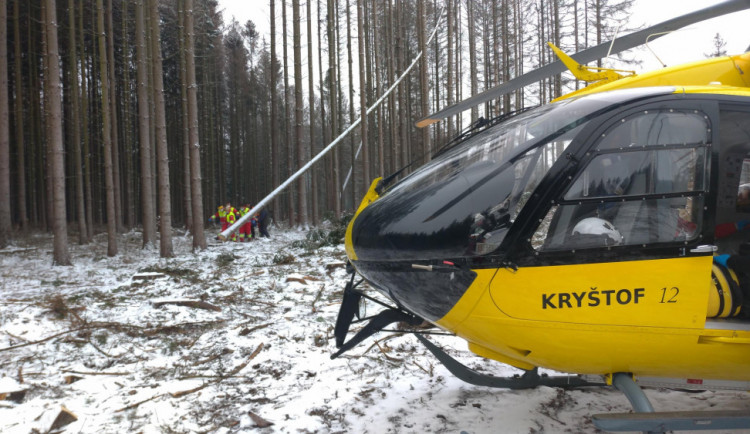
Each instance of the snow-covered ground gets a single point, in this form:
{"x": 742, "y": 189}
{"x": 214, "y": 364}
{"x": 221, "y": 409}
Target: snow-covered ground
{"x": 238, "y": 337}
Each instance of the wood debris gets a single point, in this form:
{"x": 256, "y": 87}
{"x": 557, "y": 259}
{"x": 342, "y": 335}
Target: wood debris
{"x": 259, "y": 421}
{"x": 334, "y": 266}
{"x": 231, "y": 373}
{"x": 196, "y": 304}
{"x": 148, "y": 276}
{"x": 214, "y": 357}
{"x": 296, "y": 278}
{"x": 70, "y": 379}
{"x": 246, "y": 331}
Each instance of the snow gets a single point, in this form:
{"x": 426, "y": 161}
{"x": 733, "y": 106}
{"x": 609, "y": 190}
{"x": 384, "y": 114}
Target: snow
{"x": 134, "y": 365}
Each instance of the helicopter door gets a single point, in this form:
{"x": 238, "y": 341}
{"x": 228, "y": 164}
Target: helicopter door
{"x": 732, "y": 216}
{"x": 622, "y": 243}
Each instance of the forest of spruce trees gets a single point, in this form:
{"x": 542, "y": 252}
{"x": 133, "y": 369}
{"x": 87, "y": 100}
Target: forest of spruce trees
{"x": 118, "y": 114}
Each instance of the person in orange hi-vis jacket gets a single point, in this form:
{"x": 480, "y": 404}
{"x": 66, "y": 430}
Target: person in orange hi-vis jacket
{"x": 246, "y": 228}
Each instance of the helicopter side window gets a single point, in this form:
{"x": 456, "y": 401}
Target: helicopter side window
{"x": 644, "y": 185}
{"x": 488, "y": 227}
{"x": 657, "y": 128}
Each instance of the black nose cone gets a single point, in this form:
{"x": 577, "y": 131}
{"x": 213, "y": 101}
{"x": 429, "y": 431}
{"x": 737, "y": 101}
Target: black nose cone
{"x": 434, "y": 216}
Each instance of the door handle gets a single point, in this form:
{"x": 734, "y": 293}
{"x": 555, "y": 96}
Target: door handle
{"x": 704, "y": 248}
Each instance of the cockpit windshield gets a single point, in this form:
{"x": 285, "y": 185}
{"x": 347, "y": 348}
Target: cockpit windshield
{"x": 499, "y": 144}
{"x": 463, "y": 202}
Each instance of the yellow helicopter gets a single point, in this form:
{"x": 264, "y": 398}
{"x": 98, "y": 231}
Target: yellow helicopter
{"x": 601, "y": 235}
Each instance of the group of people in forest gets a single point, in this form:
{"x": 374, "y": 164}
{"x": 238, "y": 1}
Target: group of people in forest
{"x": 227, "y": 215}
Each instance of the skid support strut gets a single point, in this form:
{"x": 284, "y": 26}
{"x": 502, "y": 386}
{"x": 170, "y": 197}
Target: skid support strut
{"x": 625, "y": 384}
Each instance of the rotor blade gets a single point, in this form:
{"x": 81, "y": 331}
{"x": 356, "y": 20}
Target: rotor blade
{"x": 594, "y": 53}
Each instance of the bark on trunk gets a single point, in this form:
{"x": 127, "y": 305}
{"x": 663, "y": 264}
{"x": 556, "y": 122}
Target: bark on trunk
{"x": 162, "y": 157}
{"x": 54, "y": 119}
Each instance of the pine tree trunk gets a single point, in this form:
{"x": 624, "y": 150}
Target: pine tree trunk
{"x": 424, "y": 90}
{"x": 311, "y": 102}
{"x": 75, "y": 125}
{"x": 291, "y": 212}
{"x": 187, "y": 197}
{"x": 378, "y": 88}
{"x": 370, "y": 74}
{"x": 35, "y": 146}
{"x": 275, "y": 157}
{"x": 199, "y": 238}
{"x": 46, "y": 163}
{"x": 333, "y": 94}
{"x": 472, "y": 57}
{"x": 339, "y": 104}
{"x": 362, "y": 98}
{"x": 520, "y": 34}
{"x": 394, "y": 160}
{"x": 5, "y": 224}
{"x": 162, "y": 157}
{"x": 450, "y": 84}
{"x": 23, "y": 214}
{"x": 598, "y": 26}
{"x": 495, "y": 61}
{"x": 576, "y": 35}
{"x": 298, "y": 108}
{"x": 151, "y": 114}
{"x": 404, "y": 87}
{"x": 328, "y": 160}
{"x": 506, "y": 54}
{"x": 144, "y": 127}
{"x": 117, "y": 188}
{"x": 106, "y": 134}
{"x": 88, "y": 190}
{"x": 52, "y": 88}
{"x": 127, "y": 131}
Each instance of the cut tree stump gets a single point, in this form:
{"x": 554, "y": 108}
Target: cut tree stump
{"x": 70, "y": 379}
{"x": 64, "y": 417}
{"x": 11, "y": 390}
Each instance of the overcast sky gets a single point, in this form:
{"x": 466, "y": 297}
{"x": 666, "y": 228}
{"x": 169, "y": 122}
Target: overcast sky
{"x": 688, "y": 44}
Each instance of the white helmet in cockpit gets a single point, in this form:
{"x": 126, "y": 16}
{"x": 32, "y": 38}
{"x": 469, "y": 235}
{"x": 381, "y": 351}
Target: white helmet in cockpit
{"x": 594, "y": 231}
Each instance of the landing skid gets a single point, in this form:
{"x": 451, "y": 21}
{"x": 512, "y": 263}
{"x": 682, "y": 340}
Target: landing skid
{"x": 528, "y": 380}
{"x": 646, "y": 420}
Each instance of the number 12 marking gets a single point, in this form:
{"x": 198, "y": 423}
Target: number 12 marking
{"x": 673, "y": 291}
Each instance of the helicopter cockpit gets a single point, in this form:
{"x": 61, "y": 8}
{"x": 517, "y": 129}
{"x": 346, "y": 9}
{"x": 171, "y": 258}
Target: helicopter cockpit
{"x": 463, "y": 203}
{"x": 645, "y": 177}
{"x": 615, "y": 177}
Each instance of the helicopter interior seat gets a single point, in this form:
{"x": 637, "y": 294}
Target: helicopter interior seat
{"x": 632, "y": 218}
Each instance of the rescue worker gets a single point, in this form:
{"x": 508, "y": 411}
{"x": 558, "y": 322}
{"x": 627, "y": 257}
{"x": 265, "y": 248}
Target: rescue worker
{"x": 229, "y": 207}
{"x": 246, "y": 232}
{"x": 254, "y": 223}
{"x": 263, "y": 223}
{"x": 231, "y": 218}
{"x": 221, "y": 216}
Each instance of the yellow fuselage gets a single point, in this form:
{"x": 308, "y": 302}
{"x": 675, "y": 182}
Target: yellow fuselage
{"x": 647, "y": 317}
